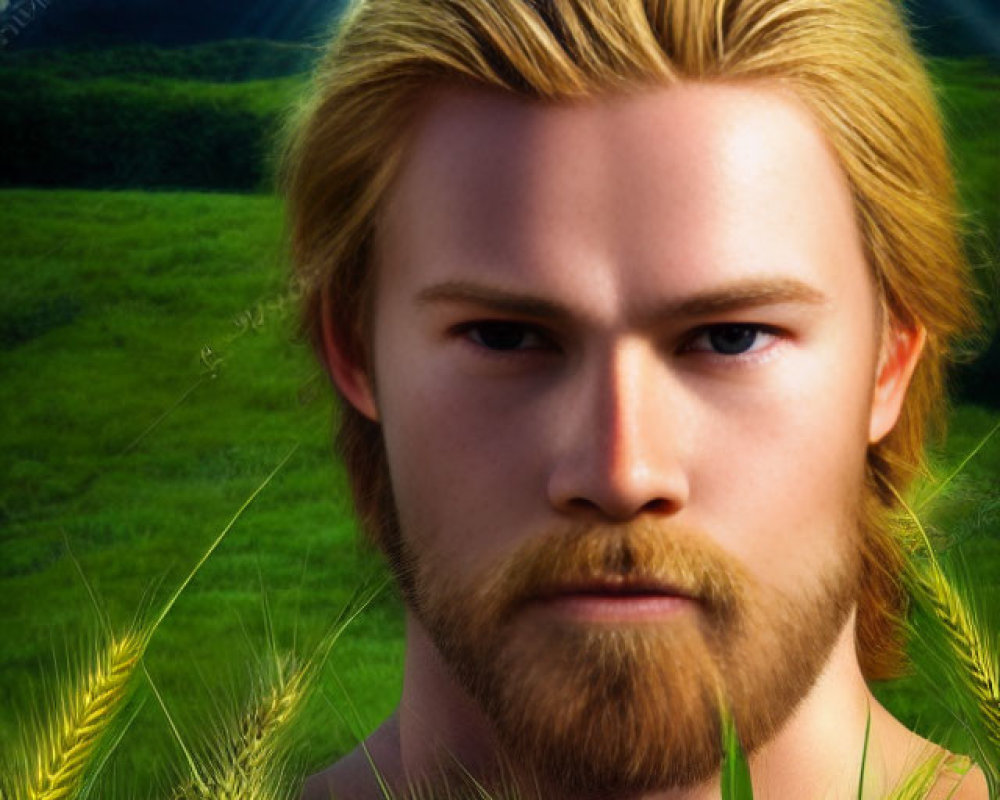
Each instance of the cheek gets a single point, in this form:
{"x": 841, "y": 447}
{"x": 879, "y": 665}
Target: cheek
{"x": 779, "y": 475}
{"x": 462, "y": 457}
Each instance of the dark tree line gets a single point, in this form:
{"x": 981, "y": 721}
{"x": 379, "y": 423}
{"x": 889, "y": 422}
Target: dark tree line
{"x": 944, "y": 27}
{"x": 174, "y": 22}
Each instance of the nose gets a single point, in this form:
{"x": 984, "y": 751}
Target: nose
{"x": 620, "y": 440}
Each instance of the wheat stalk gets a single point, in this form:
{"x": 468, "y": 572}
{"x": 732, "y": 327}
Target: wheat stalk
{"x": 56, "y": 758}
{"x": 256, "y": 744}
{"x": 978, "y": 673}
{"x": 245, "y": 765}
{"x": 967, "y": 644}
{"x": 68, "y": 741}
{"x": 918, "y": 784}
{"x": 249, "y": 763}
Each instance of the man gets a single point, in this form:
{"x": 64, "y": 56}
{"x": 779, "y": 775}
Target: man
{"x": 624, "y": 300}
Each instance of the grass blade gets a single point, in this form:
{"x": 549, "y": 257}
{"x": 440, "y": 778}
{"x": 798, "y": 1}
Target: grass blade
{"x": 864, "y": 754}
{"x": 736, "y": 783}
{"x": 106, "y": 753}
{"x": 218, "y": 540}
{"x": 961, "y": 466}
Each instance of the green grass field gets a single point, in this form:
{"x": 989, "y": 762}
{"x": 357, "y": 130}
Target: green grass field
{"x": 112, "y": 300}
{"x": 151, "y": 378}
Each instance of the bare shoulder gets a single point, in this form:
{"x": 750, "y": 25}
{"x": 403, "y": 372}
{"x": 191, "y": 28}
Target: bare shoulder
{"x": 973, "y": 786}
{"x": 963, "y": 783}
{"x": 955, "y": 776}
{"x": 353, "y": 777}
{"x": 348, "y": 779}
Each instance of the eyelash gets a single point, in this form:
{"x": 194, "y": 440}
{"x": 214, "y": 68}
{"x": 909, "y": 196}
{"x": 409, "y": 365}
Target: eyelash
{"x": 524, "y": 329}
{"x": 770, "y": 334}
{"x": 466, "y": 329}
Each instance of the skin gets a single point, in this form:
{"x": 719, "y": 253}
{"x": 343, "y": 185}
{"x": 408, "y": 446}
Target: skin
{"x": 612, "y": 238}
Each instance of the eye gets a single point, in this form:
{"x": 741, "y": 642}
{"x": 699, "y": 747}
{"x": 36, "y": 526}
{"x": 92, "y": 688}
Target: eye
{"x": 731, "y": 339}
{"x": 504, "y": 336}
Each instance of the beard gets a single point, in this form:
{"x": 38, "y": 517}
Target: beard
{"x": 601, "y": 709}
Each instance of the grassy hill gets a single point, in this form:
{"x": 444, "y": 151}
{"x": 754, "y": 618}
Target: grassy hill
{"x": 152, "y": 379}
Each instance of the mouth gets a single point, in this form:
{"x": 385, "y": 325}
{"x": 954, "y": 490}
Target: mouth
{"x": 615, "y": 600}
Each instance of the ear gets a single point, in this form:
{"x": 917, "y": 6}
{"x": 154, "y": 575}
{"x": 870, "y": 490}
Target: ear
{"x": 902, "y": 345}
{"x": 349, "y": 377}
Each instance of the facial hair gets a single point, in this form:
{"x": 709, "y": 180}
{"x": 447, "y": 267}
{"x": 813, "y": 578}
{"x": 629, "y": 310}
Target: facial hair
{"x": 599, "y": 708}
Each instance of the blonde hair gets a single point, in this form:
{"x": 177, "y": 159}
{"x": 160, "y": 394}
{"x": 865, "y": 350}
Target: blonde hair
{"x": 849, "y": 61}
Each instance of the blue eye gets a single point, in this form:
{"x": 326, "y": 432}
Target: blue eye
{"x": 731, "y": 339}
{"x": 501, "y": 335}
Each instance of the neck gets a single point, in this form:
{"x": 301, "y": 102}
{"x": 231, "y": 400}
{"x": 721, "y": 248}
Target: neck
{"x": 817, "y": 753}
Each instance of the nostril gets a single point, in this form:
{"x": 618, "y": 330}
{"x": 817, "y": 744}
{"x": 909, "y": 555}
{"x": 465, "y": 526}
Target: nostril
{"x": 657, "y": 505}
{"x": 582, "y": 504}
{"x": 620, "y": 511}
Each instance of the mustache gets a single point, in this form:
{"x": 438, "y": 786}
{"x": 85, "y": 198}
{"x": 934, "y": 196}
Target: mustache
{"x": 641, "y": 557}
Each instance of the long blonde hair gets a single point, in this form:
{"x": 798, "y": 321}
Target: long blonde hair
{"x": 850, "y": 62}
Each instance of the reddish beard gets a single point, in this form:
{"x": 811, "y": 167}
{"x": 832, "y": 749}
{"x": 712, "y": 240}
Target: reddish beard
{"x": 600, "y": 709}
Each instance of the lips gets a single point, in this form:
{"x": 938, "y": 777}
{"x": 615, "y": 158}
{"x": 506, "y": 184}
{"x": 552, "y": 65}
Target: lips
{"x": 617, "y": 602}
{"x": 618, "y": 598}
{"x": 611, "y": 587}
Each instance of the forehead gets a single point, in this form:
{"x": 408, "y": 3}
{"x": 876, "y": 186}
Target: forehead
{"x": 692, "y": 181}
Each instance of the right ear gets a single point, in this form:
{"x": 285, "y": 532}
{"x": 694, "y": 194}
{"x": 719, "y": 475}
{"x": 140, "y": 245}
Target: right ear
{"x": 349, "y": 377}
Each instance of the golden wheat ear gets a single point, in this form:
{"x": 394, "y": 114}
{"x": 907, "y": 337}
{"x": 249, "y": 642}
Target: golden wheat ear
{"x": 61, "y": 747}
{"x": 246, "y": 757}
{"x": 957, "y": 652}
{"x": 56, "y": 751}
{"x": 962, "y": 659}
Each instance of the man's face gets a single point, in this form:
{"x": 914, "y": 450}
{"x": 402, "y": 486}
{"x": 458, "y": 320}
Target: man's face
{"x": 625, "y": 353}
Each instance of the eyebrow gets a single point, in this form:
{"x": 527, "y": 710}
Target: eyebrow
{"x": 743, "y": 294}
